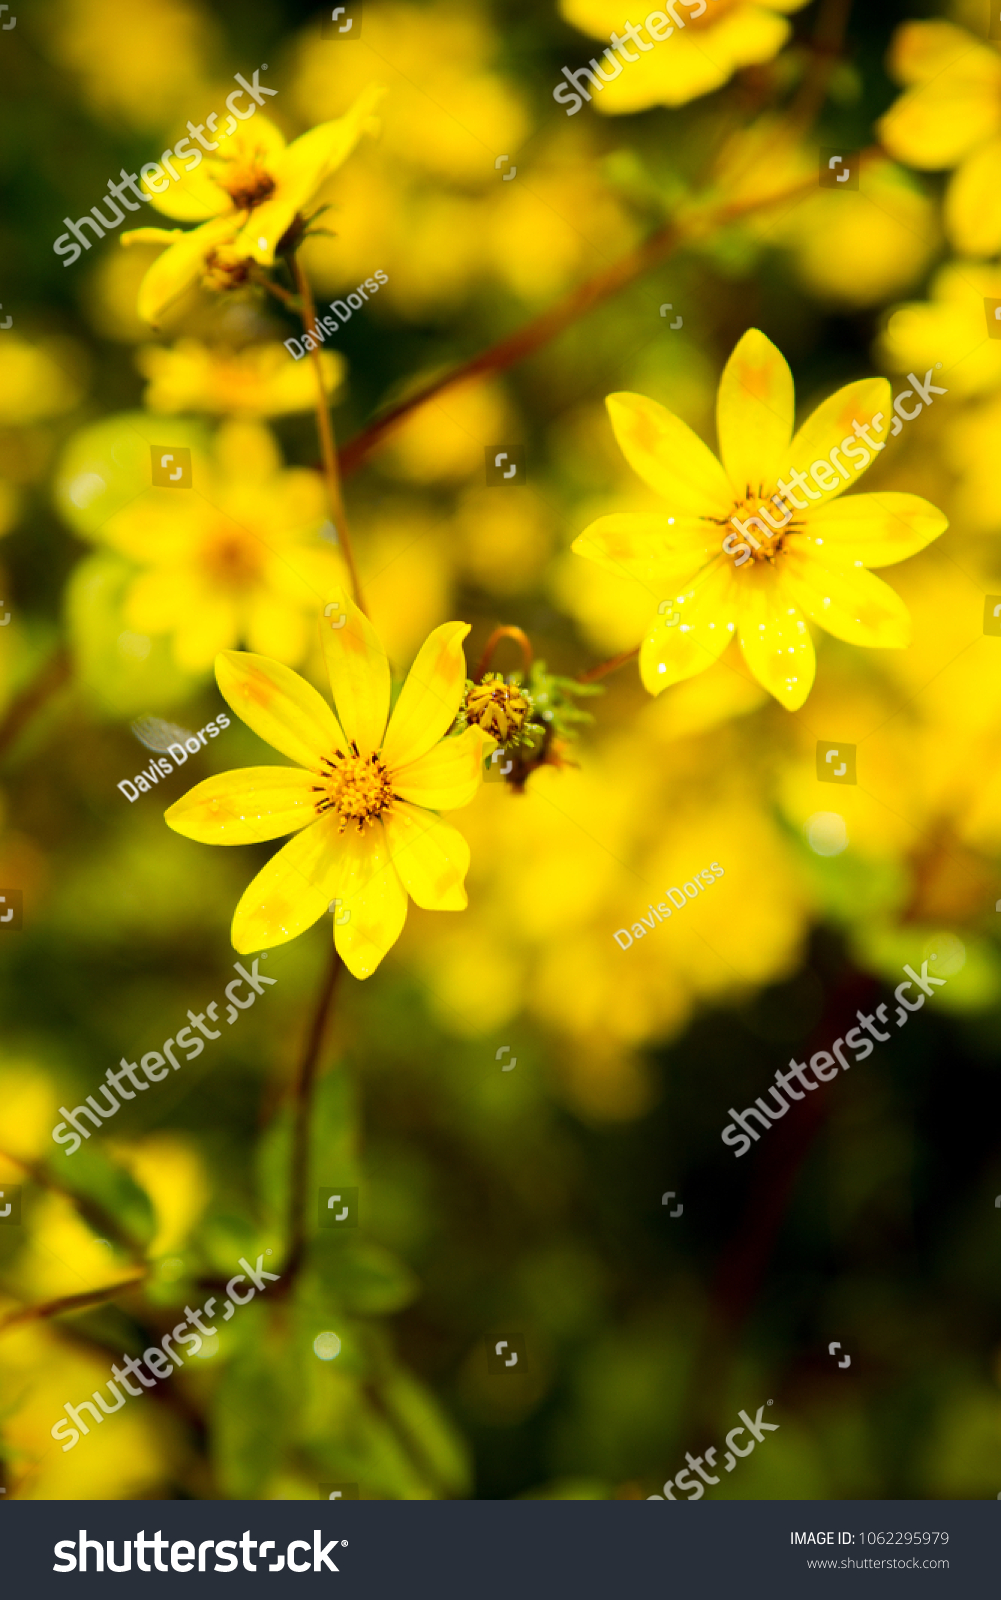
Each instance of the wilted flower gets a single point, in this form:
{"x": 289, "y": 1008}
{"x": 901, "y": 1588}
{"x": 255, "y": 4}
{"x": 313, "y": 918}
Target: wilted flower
{"x": 501, "y": 709}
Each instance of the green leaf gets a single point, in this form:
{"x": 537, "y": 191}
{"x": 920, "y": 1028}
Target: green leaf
{"x": 433, "y": 1439}
{"x": 112, "y": 1203}
{"x": 360, "y": 1276}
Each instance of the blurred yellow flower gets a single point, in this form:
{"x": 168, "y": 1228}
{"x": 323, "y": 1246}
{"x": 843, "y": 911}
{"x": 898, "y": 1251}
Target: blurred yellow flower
{"x": 245, "y": 201}
{"x": 556, "y": 871}
{"x": 407, "y": 566}
{"x": 427, "y": 202}
{"x": 259, "y": 381}
{"x": 38, "y": 380}
{"x": 387, "y": 779}
{"x": 542, "y": 236}
{"x": 855, "y": 248}
{"x": 950, "y": 116}
{"x": 972, "y": 447}
{"x": 693, "y": 557}
{"x": 445, "y": 438}
{"x": 502, "y": 542}
{"x": 237, "y": 559}
{"x": 692, "y": 57}
{"x": 134, "y": 66}
{"x": 447, "y": 112}
{"x": 951, "y": 327}
{"x": 135, "y": 1455}
{"x": 30, "y": 1100}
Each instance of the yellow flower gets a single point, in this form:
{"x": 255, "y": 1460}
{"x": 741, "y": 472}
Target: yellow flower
{"x": 886, "y": 229}
{"x": 694, "y": 55}
{"x": 812, "y": 553}
{"x": 245, "y": 199}
{"x": 363, "y": 800}
{"x": 972, "y": 447}
{"x": 237, "y": 558}
{"x": 38, "y": 380}
{"x": 951, "y": 327}
{"x": 107, "y": 49}
{"x": 950, "y": 116}
{"x": 260, "y": 381}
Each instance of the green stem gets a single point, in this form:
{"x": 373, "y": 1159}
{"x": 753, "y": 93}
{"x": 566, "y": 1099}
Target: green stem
{"x": 325, "y": 428}
{"x": 300, "y": 1171}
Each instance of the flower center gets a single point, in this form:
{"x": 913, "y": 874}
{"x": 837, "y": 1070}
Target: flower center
{"x": 757, "y": 527}
{"x": 497, "y": 707}
{"x": 248, "y": 184}
{"x": 358, "y": 787}
{"x": 224, "y": 269}
{"x": 232, "y": 559}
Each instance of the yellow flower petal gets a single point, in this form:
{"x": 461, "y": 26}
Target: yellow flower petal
{"x": 358, "y": 670}
{"x": 299, "y": 172}
{"x": 151, "y": 235}
{"x": 650, "y": 547}
{"x": 755, "y": 411}
{"x": 448, "y": 776}
{"x": 293, "y": 891}
{"x": 378, "y": 909}
{"x": 193, "y": 198}
{"x": 954, "y": 105}
{"x": 669, "y": 457}
{"x": 159, "y": 600}
{"x": 245, "y": 806}
{"x": 692, "y": 61}
{"x": 692, "y": 631}
{"x": 876, "y": 529}
{"x": 867, "y": 403}
{"x": 921, "y": 52}
{"x": 745, "y": 36}
{"x": 207, "y": 628}
{"x": 848, "y": 601}
{"x": 281, "y": 707}
{"x": 973, "y": 201}
{"x": 431, "y": 857}
{"x": 180, "y": 265}
{"x": 430, "y": 699}
{"x": 776, "y": 641}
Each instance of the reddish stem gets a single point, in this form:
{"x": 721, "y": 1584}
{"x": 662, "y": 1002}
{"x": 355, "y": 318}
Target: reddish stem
{"x": 505, "y": 631}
